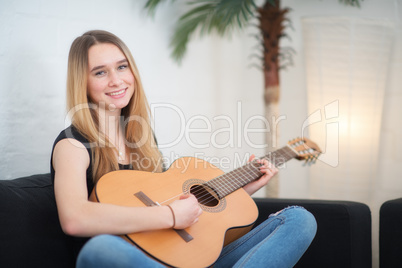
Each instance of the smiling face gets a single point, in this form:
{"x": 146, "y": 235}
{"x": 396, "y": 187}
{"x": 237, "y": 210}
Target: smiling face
{"x": 110, "y": 80}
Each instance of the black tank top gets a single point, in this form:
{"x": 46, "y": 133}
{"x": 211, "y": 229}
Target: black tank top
{"x": 72, "y": 133}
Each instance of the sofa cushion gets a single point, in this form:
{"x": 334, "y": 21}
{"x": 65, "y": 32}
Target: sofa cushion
{"x": 391, "y": 233}
{"x": 30, "y": 231}
{"x": 343, "y": 236}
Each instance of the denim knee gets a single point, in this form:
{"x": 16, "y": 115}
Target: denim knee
{"x": 103, "y": 251}
{"x": 92, "y": 249}
{"x": 307, "y": 220}
{"x": 304, "y": 220}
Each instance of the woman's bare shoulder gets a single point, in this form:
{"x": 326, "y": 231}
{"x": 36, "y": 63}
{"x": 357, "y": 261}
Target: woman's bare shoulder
{"x": 72, "y": 152}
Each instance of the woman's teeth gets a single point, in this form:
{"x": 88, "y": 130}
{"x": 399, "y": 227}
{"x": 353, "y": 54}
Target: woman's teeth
{"x": 117, "y": 93}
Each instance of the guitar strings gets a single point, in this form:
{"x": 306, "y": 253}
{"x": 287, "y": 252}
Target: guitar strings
{"x": 288, "y": 152}
{"x": 237, "y": 178}
{"x": 231, "y": 181}
{"x": 201, "y": 198}
{"x": 222, "y": 189}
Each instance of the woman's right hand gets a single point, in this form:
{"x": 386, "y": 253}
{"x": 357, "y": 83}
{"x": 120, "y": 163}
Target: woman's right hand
{"x": 186, "y": 211}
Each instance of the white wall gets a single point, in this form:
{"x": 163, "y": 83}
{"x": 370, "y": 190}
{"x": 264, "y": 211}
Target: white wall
{"x": 35, "y": 39}
{"x": 388, "y": 184}
{"x": 214, "y": 80}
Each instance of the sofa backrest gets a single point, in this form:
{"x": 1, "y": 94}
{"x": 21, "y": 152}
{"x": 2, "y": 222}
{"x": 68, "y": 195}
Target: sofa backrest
{"x": 30, "y": 232}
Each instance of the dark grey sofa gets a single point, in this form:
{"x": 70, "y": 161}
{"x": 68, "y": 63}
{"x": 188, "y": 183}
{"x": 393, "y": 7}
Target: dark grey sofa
{"x": 30, "y": 235}
{"x": 391, "y": 234}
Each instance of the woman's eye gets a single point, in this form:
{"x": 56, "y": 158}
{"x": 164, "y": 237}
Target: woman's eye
{"x": 122, "y": 67}
{"x": 100, "y": 73}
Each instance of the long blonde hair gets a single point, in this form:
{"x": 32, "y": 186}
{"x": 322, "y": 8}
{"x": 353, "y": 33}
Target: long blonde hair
{"x": 136, "y": 115}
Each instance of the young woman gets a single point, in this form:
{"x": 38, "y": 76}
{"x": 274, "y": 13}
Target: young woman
{"x": 111, "y": 121}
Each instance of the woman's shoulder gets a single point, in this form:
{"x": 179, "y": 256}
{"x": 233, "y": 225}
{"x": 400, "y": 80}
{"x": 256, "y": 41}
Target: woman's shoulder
{"x": 72, "y": 148}
{"x": 72, "y": 133}
{"x": 70, "y": 139}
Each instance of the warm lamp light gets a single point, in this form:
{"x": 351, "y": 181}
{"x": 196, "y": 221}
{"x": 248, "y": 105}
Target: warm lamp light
{"x": 347, "y": 61}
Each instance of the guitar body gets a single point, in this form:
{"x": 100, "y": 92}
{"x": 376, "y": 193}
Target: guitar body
{"x": 222, "y": 221}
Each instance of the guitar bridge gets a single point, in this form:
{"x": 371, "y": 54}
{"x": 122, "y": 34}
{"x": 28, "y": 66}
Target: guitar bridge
{"x": 148, "y": 202}
{"x": 145, "y": 199}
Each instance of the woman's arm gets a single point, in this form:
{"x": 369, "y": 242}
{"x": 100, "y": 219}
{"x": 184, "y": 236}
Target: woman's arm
{"x": 81, "y": 217}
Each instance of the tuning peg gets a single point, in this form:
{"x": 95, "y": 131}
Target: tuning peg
{"x": 307, "y": 161}
{"x": 315, "y": 157}
{"x": 312, "y": 160}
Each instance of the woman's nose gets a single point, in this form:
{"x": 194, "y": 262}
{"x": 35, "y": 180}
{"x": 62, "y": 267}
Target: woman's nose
{"x": 115, "y": 79}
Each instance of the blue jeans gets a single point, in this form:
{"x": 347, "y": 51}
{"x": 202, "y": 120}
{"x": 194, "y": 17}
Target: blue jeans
{"x": 279, "y": 241}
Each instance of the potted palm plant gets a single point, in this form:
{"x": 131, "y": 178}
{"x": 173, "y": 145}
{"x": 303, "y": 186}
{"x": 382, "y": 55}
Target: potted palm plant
{"x": 223, "y": 16}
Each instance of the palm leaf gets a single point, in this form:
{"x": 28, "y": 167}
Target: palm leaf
{"x": 209, "y": 15}
{"x": 151, "y": 6}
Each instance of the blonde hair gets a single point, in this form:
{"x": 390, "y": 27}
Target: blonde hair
{"x": 136, "y": 115}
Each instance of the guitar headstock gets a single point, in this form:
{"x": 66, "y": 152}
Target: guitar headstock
{"x": 305, "y": 149}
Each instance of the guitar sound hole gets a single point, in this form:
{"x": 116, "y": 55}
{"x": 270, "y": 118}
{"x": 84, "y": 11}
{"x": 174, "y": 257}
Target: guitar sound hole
{"x": 205, "y": 195}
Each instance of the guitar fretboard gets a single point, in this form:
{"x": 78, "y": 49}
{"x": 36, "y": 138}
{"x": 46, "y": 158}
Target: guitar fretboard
{"x": 235, "y": 179}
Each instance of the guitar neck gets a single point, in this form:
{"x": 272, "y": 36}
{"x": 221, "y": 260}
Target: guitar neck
{"x": 235, "y": 179}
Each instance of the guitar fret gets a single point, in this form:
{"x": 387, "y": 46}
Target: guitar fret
{"x": 237, "y": 176}
{"x": 240, "y": 176}
{"x": 280, "y": 156}
{"x": 231, "y": 179}
{"x": 256, "y": 170}
{"x": 227, "y": 182}
{"x": 219, "y": 187}
{"x": 235, "y": 179}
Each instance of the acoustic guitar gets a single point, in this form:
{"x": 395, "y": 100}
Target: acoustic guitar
{"x": 228, "y": 211}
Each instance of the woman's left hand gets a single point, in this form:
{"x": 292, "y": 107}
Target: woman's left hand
{"x": 268, "y": 170}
